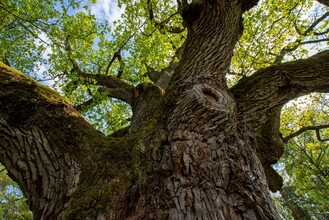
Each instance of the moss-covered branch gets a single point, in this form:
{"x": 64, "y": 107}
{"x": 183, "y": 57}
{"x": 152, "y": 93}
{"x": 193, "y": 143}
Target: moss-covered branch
{"x": 49, "y": 149}
{"x": 123, "y": 89}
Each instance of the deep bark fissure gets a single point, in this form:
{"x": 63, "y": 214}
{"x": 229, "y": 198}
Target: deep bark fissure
{"x": 209, "y": 45}
{"x": 46, "y": 177}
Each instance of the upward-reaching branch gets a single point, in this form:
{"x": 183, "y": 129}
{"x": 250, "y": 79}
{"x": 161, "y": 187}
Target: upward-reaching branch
{"x": 122, "y": 89}
{"x": 51, "y": 151}
{"x": 116, "y": 55}
{"x": 162, "y": 77}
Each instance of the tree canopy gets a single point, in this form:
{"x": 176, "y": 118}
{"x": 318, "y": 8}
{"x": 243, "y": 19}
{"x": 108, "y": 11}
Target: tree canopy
{"x": 41, "y": 37}
{"x": 99, "y": 63}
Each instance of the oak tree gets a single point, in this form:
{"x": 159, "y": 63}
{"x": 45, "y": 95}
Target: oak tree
{"x": 204, "y": 127}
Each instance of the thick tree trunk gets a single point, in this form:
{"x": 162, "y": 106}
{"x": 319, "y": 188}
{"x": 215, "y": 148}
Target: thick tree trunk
{"x": 213, "y": 172}
{"x": 195, "y": 151}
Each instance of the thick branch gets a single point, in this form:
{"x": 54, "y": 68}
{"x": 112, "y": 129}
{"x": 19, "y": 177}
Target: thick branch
{"x": 111, "y": 93}
{"x": 268, "y": 88}
{"x": 162, "y": 77}
{"x": 105, "y": 80}
{"x": 51, "y": 151}
{"x": 248, "y": 4}
{"x": 122, "y": 89}
{"x": 316, "y": 128}
{"x": 40, "y": 135}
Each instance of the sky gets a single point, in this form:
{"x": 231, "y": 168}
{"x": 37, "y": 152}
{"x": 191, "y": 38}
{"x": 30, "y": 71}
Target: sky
{"x": 107, "y": 10}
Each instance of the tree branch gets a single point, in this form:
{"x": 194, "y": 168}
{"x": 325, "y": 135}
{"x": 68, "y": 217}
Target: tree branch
{"x": 118, "y": 56}
{"x": 324, "y": 2}
{"x": 316, "y": 128}
{"x": 315, "y": 23}
{"x": 318, "y": 136}
{"x": 321, "y": 33}
{"x": 270, "y": 147}
{"x": 268, "y": 88}
{"x": 111, "y": 93}
{"x": 298, "y": 42}
{"x": 113, "y": 84}
{"x": 84, "y": 105}
{"x": 314, "y": 41}
{"x": 51, "y": 151}
{"x": 248, "y": 4}
{"x": 161, "y": 25}
{"x": 162, "y": 77}
{"x": 40, "y": 135}
{"x": 105, "y": 80}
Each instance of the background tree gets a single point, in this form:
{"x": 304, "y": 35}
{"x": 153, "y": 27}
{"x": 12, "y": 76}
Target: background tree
{"x": 12, "y": 202}
{"x": 189, "y": 143}
{"x": 305, "y": 161}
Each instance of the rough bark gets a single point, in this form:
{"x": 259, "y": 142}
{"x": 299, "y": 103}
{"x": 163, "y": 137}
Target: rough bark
{"x": 261, "y": 96}
{"x": 271, "y": 87}
{"x": 196, "y": 150}
{"x": 49, "y": 149}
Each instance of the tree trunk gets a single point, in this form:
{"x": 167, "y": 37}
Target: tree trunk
{"x": 190, "y": 152}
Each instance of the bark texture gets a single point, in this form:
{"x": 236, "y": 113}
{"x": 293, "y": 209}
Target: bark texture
{"x": 196, "y": 150}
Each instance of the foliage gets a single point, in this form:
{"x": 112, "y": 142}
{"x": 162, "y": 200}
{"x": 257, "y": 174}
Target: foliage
{"x": 278, "y": 31}
{"x": 12, "y": 202}
{"x": 307, "y": 155}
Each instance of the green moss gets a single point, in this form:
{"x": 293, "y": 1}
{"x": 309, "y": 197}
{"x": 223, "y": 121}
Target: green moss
{"x": 10, "y": 76}
{"x": 130, "y": 167}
